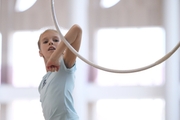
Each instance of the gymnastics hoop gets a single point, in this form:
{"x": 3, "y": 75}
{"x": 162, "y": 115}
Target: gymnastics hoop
{"x": 164, "y": 58}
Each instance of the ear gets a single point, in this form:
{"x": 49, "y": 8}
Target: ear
{"x": 40, "y": 54}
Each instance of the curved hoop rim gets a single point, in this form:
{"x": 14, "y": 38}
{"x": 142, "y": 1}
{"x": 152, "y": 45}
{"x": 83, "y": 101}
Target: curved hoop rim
{"x": 164, "y": 58}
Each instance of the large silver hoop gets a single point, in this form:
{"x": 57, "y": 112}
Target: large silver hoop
{"x": 164, "y": 58}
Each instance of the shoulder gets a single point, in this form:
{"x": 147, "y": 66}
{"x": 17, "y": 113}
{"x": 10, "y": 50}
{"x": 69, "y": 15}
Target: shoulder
{"x": 63, "y": 66}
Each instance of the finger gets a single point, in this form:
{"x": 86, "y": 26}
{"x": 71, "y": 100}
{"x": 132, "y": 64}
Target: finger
{"x": 48, "y": 69}
{"x": 52, "y": 69}
{"x": 56, "y": 69}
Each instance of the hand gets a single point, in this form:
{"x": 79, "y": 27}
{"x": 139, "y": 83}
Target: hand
{"x": 52, "y": 65}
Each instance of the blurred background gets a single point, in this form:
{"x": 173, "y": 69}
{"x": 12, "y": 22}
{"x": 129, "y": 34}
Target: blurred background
{"x": 117, "y": 34}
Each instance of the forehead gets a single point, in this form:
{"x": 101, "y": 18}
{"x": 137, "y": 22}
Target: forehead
{"x": 49, "y": 34}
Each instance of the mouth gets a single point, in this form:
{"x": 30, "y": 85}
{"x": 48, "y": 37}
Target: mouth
{"x": 51, "y": 48}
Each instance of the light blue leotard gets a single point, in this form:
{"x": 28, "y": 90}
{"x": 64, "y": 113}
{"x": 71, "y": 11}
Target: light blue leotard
{"x": 56, "y": 94}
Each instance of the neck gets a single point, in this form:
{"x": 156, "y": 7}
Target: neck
{"x": 45, "y": 61}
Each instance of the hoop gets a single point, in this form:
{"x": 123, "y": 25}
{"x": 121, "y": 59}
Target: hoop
{"x": 164, "y": 58}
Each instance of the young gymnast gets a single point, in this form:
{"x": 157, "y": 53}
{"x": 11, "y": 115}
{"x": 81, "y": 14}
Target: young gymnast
{"x": 57, "y": 84}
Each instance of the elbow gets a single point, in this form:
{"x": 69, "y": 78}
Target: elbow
{"x": 77, "y": 28}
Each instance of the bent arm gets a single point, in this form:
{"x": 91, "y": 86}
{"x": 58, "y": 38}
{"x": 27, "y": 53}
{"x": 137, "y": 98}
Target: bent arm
{"x": 73, "y": 36}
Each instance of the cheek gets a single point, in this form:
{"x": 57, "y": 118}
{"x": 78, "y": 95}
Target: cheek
{"x": 58, "y": 43}
{"x": 43, "y": 50}
{"x": 43, "y": 47}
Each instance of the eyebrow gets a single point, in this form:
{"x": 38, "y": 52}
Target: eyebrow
{"x": 56, "y": 37}
{"x": 44, "y": 39}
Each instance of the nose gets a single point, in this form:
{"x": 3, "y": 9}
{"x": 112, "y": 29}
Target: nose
{"x": 51, "y": 42}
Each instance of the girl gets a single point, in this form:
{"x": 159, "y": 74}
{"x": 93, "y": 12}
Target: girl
{"x": 57, "y": 84}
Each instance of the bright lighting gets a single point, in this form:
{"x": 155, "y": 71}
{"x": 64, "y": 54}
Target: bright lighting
{"x": 23, "y": 5}
{"x": 130, "y": 109}
{"x": 130, "y": 48}
{"x": 108, "y": 3}
{"x": 28, "y": 66}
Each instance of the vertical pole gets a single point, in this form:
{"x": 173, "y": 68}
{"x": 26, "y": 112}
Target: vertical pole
{"x": 171, "y": 24}
{"x": 79, "y": 15}
{"x": 6, "y": 24}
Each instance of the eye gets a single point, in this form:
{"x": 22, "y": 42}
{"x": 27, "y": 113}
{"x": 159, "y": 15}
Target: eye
{"x": 56, "y": 40}
{"x": 44, "y": 42}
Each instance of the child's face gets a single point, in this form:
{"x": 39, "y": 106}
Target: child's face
{"x": 48, "y": 43}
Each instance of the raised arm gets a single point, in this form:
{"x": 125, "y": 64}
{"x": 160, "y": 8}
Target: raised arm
{"x": 73, "y": 36}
